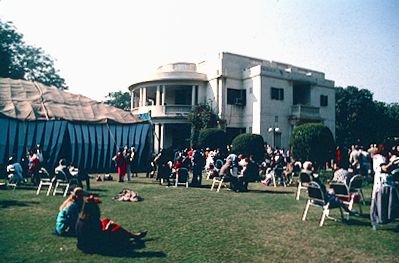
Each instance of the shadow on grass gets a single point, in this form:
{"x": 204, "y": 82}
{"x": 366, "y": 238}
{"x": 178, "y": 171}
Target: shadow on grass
{"x": 130, "y": 252}
{"x": 269, "y": 191}
{"x": 354, "y": 222}
{"x": 10, "y": 203}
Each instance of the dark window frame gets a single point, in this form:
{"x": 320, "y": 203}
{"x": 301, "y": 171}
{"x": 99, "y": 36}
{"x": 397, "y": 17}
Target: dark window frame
{"x": 236, "y": 97}
{"x": 277, "y": 93}
{"x": 323, "y": 100}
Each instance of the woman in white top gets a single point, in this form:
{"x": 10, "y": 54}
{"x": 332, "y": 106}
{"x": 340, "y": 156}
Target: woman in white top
{"x": 379, "y": 177}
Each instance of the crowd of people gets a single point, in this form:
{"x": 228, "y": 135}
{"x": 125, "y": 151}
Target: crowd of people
{"x": 79, "y": 215}
{"x": 29, "y": 166}
{"x": 126, "y": 163}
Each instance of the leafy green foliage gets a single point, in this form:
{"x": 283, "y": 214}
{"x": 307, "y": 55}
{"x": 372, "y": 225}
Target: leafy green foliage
{"x": 119, "y": 100}
{"x": 361, "y": 120}
{"x": 22, "y": 61}
{"x": 201, "y": 117}
{"x": 213, "y": 138}
{"x": 249, "y": 144}
{"x": 312, "y": 141}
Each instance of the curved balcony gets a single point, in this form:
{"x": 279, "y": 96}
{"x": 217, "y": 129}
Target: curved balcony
{"x": 164, "y": 110}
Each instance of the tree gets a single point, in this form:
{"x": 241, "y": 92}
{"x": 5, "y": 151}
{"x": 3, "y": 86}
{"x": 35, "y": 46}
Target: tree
{"x": 249, "y": 144}
{"x": 201, "y": 117}
{"x": 312, "y": 142}
{"x": 119, "y": 100}
{"x": 22, "y": 61}
{"x": 213, "y": 138}
{"x": 354, "y": 107}
{"x": 361, "y": 120}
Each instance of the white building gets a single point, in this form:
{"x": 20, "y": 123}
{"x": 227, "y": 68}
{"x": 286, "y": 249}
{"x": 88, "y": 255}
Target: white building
{"x": 252, "y": 95}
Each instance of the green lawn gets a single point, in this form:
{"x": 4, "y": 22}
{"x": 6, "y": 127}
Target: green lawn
{"x": 197, "y": 225}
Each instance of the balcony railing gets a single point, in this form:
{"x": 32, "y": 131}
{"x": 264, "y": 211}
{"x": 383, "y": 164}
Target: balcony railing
{"x": 305, "y": 112}
{"x": 164, "y": 110}
{"x": 177, "y": 109}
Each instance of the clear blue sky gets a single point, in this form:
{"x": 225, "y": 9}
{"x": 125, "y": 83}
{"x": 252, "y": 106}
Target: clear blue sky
{"x": 102, "y": 46}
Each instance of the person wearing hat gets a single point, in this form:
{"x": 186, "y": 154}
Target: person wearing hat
{"x": 97, "y": 235}
{"x": 69, "y": 212}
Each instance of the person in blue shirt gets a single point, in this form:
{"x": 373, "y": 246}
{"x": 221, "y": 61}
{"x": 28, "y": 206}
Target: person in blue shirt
{"x": 69, "y": 213}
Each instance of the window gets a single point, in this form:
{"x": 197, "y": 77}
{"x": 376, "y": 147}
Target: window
{"x": 277, "y": 94}
{"x": 323, "y": 100}
{"x": 236, "y": 97}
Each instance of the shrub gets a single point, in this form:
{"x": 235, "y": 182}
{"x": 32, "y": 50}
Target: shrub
{"x": 213, "y": 138}
{"x": 313, "y": 142}
{"x": 248, "y": 144}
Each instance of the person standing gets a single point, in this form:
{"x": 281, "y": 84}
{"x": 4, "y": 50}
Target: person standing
{"x": 198, "y": 163}
{"x": 133, "y": 161}
{"x": 120, "y": 160}
{"x": 128, "y": 164}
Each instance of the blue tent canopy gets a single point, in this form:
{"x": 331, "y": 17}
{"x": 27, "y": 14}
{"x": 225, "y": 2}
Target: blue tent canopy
{"x": 90, "y": 146}
{"x": 65, "y": 125}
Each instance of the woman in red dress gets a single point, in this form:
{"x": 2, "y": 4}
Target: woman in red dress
{"x": 121, "y": 164}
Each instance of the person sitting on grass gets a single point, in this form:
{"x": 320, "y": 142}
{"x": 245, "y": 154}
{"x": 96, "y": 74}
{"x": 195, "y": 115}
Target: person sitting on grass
{"x": 101, "y": 236}
{"x": 68, "y": 213}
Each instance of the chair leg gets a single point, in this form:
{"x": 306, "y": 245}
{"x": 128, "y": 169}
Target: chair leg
{"x": 55, "y": 188}
{"x": 305, "y": 212}
{"x": 323, "y": 216}
{"x": 360, "y": 207}
{"x": 362, "y": 196}
{"x": 298, "y": 191}
{"x": 220, "y": 185}
{"x": 38, "y": 188}
{"x": 66, "y": 190}
{"x": 49, "y": 189}
{"x": 213, "y": 184}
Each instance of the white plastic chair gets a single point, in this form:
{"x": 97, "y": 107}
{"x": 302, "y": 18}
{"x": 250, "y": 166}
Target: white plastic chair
{"x": 61, "y": 181}
{"x": 316, "y": 198}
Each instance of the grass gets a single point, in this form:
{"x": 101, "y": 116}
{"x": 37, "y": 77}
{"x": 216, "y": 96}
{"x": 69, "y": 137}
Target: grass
{"x": 197, "y": 225}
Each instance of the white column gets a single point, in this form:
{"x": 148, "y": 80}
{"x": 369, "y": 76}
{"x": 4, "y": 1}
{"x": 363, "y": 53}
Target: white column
{"x": 141, "y": 98}
{"x": 158, "y": 96}
{"x": 193, "y": 95}
{"x": 162, "y": 135}
{"x": 163, "y": 95}
{"x": 156, "y": 138}
{"x": 221, "y": 97}
{"x": 131, "y": 100}
{"x": 144, "y": 96}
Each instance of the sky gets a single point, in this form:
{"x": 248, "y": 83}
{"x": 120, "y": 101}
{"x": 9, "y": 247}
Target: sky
{"x": 104, "y": 46}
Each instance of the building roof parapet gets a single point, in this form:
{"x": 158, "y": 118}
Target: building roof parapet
{"x": 178, "y": 67}
{"x": 289, "y": 73}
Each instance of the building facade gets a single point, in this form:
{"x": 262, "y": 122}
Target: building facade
{"x": 252, "y": 95}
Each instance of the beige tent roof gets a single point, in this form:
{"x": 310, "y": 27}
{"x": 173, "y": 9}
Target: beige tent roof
{"x": 29, "y": 101}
